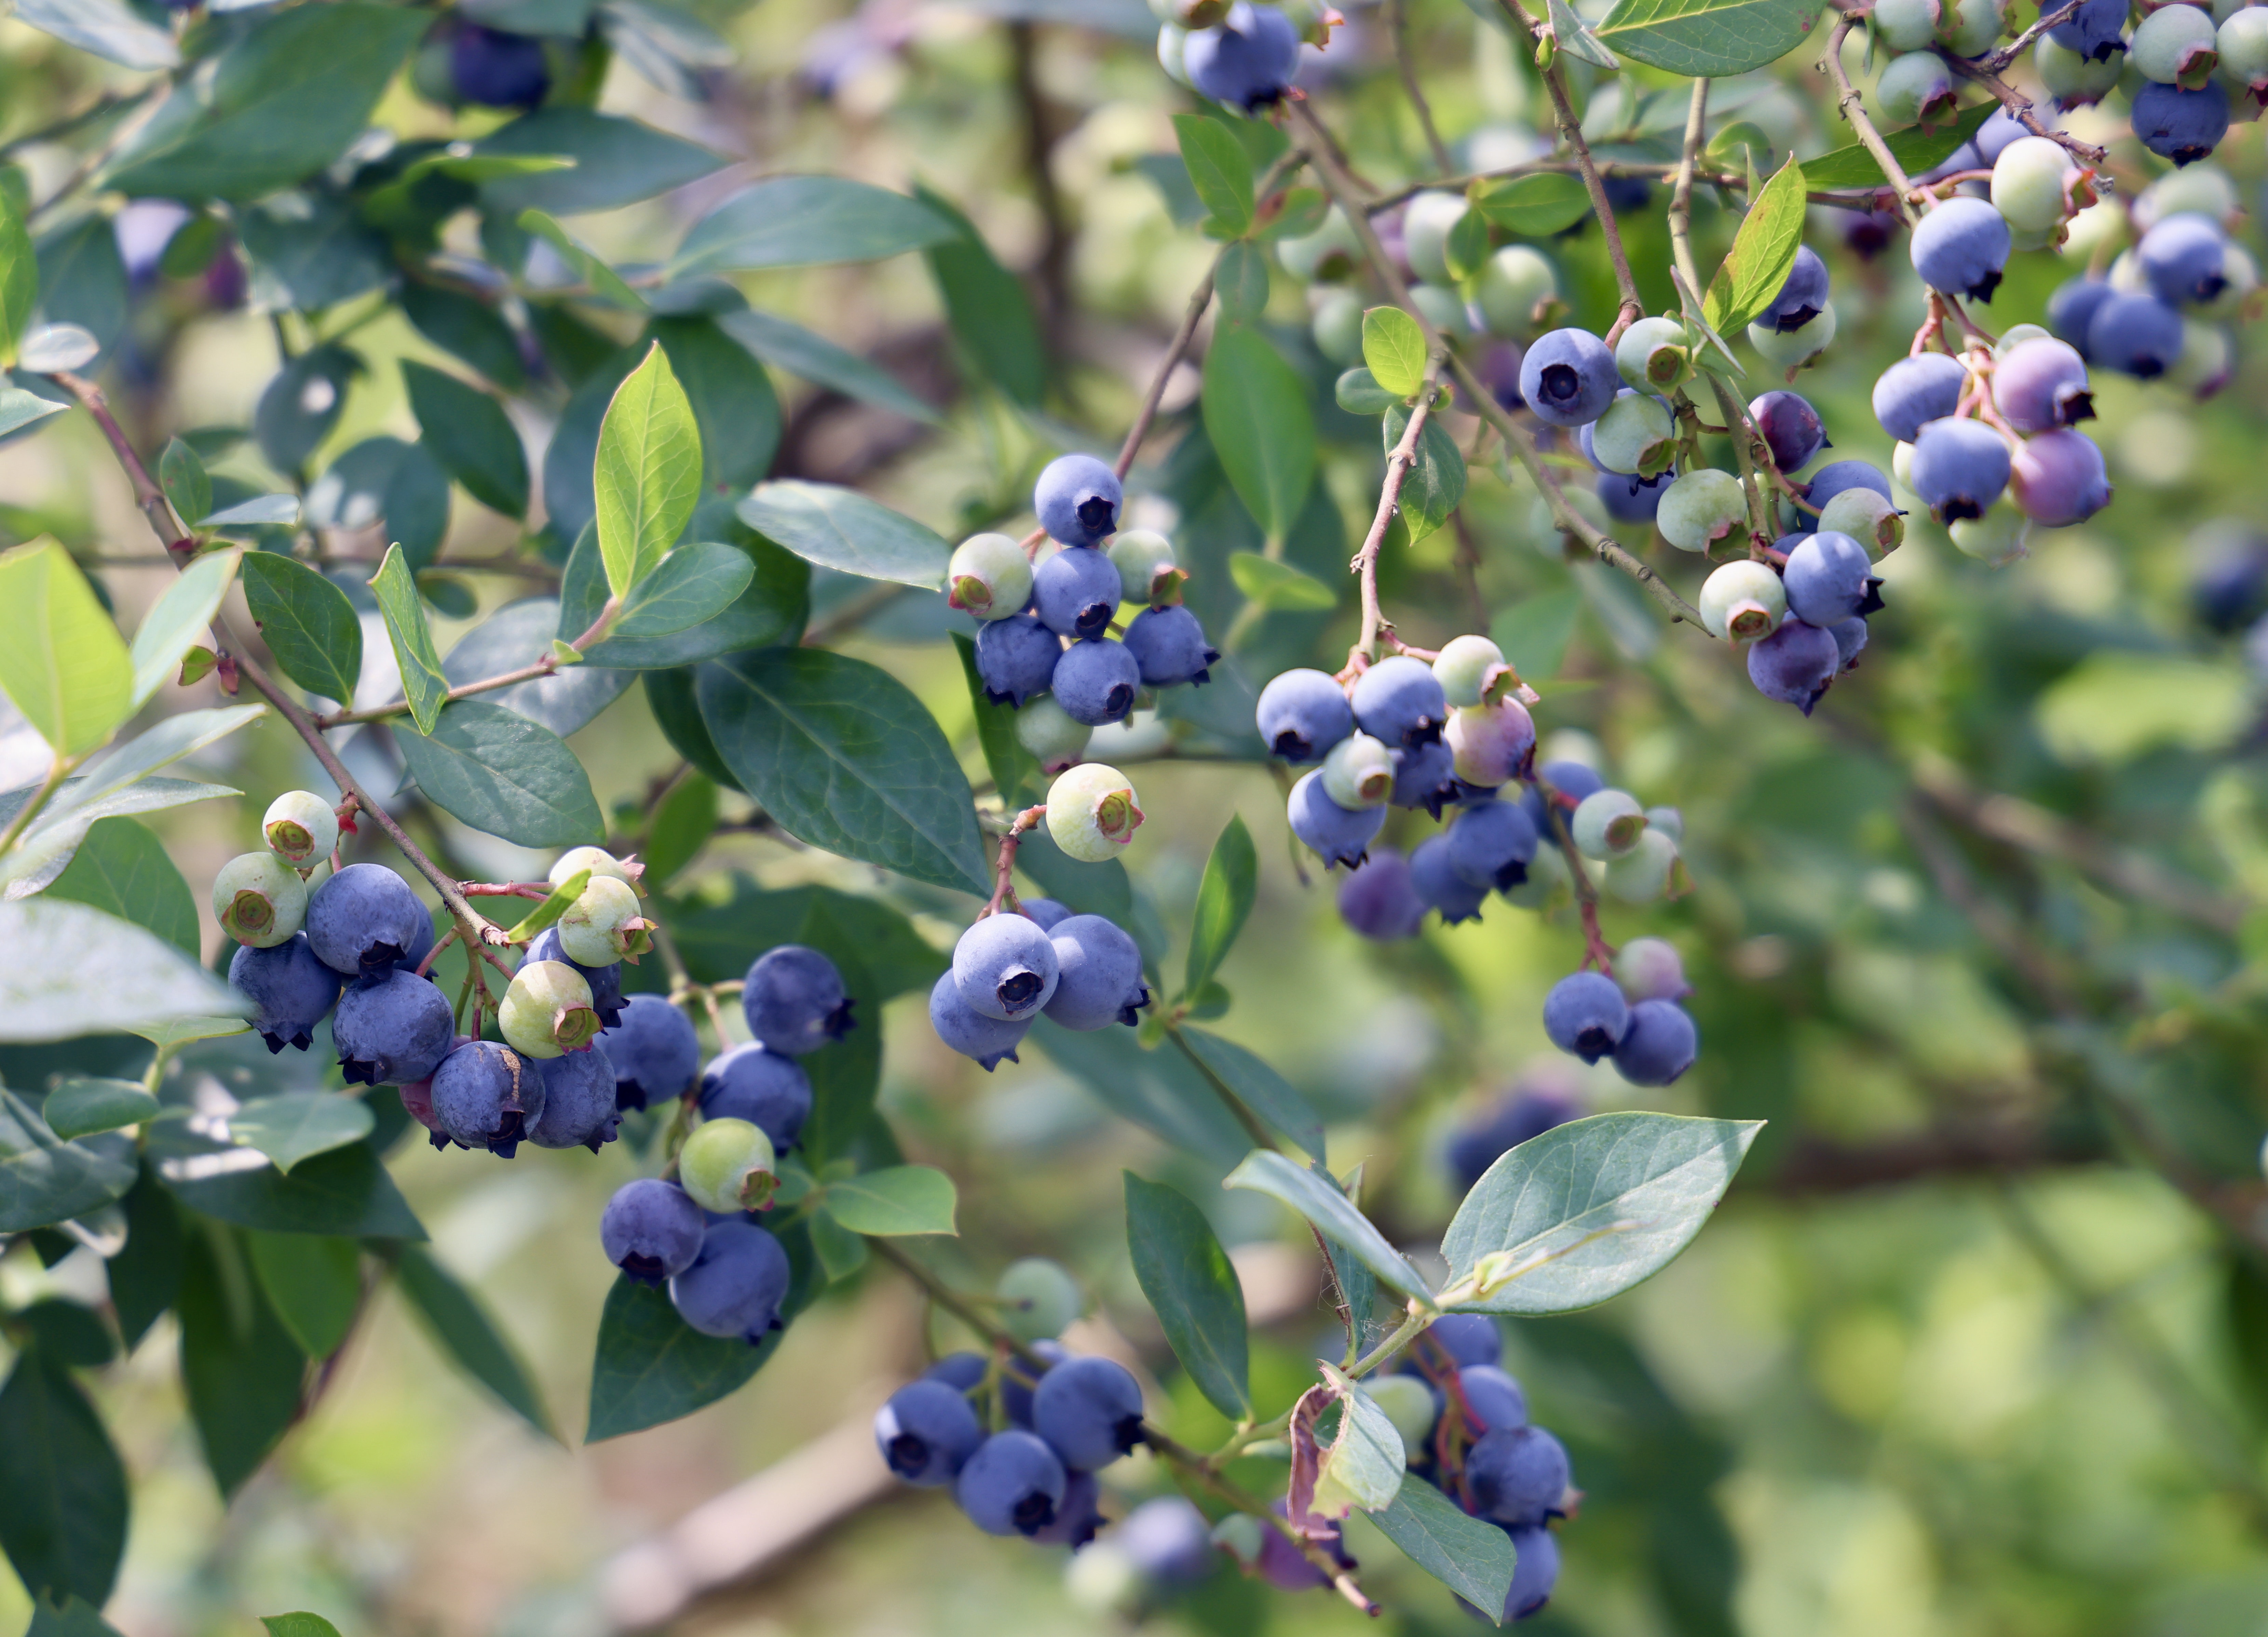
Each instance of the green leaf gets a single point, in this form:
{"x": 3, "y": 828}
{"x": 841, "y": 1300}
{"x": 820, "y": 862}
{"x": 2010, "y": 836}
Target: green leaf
{"x": 463, "y": 1330}
{"x": 1763, "y": 253}
{"x": 1358, "y": 393}
{"x": 67, "y": 1332}
{"x": 843, "y": 757}
{"x": 386, "y": 483}
{"x": 45, "y": 1180}
{"x": 20, "y": 277}
{"x": 1471, "y": 1556}
{"x": 1707, "y": 39}
{"x": 180, "y": 618}
{"x": 1224, "y": 896}
{"x": 647, "y": 477}
{"x": 1193, "y": 1289}
{"x": 1364, "y": 1465}
{"x": 1535, "y": 207}
{"x": 1436, "y": 482}
{"x": 503, "y": 774}
{"x": 122, "y": 869}
{"x": 72, "y": 1617}
{"x": 1162, "y": 1092}
{"x": 605, "y": 283}
{"x": 734, "y": 407}
{"x": 770, "y": 612}
{"x": 1220, "y": 170}
{"x": 240, "y": 1367}
{"x": 466, "y": 326}
{"x": 108, "y": 28}
{"x": 19, "y": 408}
{"x": 987, "y": 308}
{"x": 1591, "y": 1208}
{"x": 62, "y": 660}
{"x": 63, "y": 1487}
{"x": 1258, "y": 418}
{"x": 314, "y": 1283}
{"x": 280, "y": 101}
{"x": 169, "y": 1036}
{"x": 299, "y": 1124}
{"x": 308, "y": 623}
{"x": 1534, "y": 632}
{"x": 896, "y": 1200}
{"x": 682, "y": 827}
{"x": 1467, "y": 250}
{"x": 468, "y": 433}
{"x": 309, "y": 252}
{"x": 517, "y": 635}
{"x": 103, "y": 791}
{"x": 1275, "y": 1100}
{"x": 1916, "y": 150}
{"x": 841, "y": 1252}
{"x": 804, "y": 221}
{"x": 345, "y": 1191}
{"x": 145, "y": 1276}
{"x": 723, "y": 938}
{"x": 55, "y": 837}
{"x": 842, "y": 529}
{"x": 1318, "y": 1199}
{"x": 80, "y": 1107}
{"x": 83, "y": 277}
{"x": 300, "y": 1625}
{"x": 1278, "y": 585}
{"x": 1394, "y": 349}
{"x": 1241, "y": 282}
{"x": 617, "y": 162}
{"x": 423, "y": 683}
{"x": 1575, "y": 39}
{"x": 301, "y": 404}
{"x": 1015, "y": 771}
{"x": 791, "y": 347}
{"x": 67, "y": 969}
{"x": 652, "y": 1366}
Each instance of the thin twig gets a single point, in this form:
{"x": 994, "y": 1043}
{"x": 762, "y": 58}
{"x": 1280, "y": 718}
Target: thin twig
{"x": 1397, "y": 25}
{"x": 1398, "y": 464}
{"x": 547, "y": 665}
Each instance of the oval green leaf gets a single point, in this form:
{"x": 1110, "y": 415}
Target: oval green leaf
{"x": 1258, "y": 418}
{"x": 1707, "y": 39}
{"x": 896, "y": 1200}
{"x": 842, "y": 529}
{"x": 309, "y": 625}
{"x": 501, "y": 773}
{"x": 1193, "y": 1288}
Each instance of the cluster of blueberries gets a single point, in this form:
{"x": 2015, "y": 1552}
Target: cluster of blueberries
{"x": 1084, "y": 971}
{"x": 2152, "y": 314}
{"x": 1630, "y": 1015}
{"x": 1043, "y": 637}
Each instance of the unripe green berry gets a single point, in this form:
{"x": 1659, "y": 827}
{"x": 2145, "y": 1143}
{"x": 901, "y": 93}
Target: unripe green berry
{"x": 547, "y": 1011}
{"x": 1701, "y": 508}
{"x": 259, "y": 900}
{"x": 1427, "y": 221}
{"x": 1606, "y": 824}
{"x": 1039, "y": 1299}
{"x": 1407, "y": 1403}
{"x": 599, "y": 862}
{"x": 2176, "y": 44}
{"x": 1668, "y": 820}
{"x": 989, "y": 576}
{"x": 603, "y": 925}
{"x": 1145, "y": 561}
{"x": 2014, "y": 336}
{"x": 1642, "y": 874}
{"x": 1967, "y": 28}
{"x": 1547, "y": 873}
{"x": 1654, "y": 355}
{"x": 1045, "y": 729}
{"x": 1915, "y": 89}
{"x": 1172, "y": 37}
{"x": 2196, "y": 189}
{"x": 1358, "y": 772}
{"x": 1648, "y": 969}
{"x": 1331, "y": 251}
{"x": 728, "y": 1165}
{"x": 2037, "y": 186}
{"x": 1742, "y": 601}
{"x": 2242, "y": 42}
{"x": 1337, "y": 327}
{"x": 1443, "y": 307}
{"x": 2207, "y": 355}
{"x": 1092, "y": 813}
{"x": 1513, "y": 284}
{"x": 1998, "y": 537}
{"x": 2071, "y": 80}
{"x": 1471, "y": 671}
{"x": 1868, "y": 518}
{"x": 1635, "y": 436}
{"x": 1906, "y": 24}
{"x": 1794, "y": 349}
{"x": 301, "y": 828}
{"x": 1103, "y": 1579}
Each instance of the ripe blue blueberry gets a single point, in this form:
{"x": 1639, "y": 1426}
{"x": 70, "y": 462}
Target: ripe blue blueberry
{"x": 1046, "y": 911}
{"x": 793, "y": 1000}
{"x": 1078, "y": 1515}
{"x": 1168, "y": 1541}
{"x": 390, "y": 1029}
{"x": 2071, "y": 310}
{"x": 1634, "y": 500}
{"x": 1491, "y": 845}
{"x": 1536, "y": 1554}
{"x": 579, "y": 1109}
{"x": 766, "y": 1088}
{"x": 1339, "y": 836}
{"x": 1075, "y": 593}
{"x": 1016, "y": 657}
{"x": 1470, "y": 1338}
{"x": 2134, "y": 334}
{"x": 1399, "y": 702}
{"x": 1377, "y": 902}
{"x": 291, "y": 989}
{"x": 926, "y": 1433}
{"x": 652, "y": 1230}
{"x": 499, "y": 69}
{"x": 1914, "y": 391}
{"x": 1089, "y": 1411}
{"x": 2183, "y": 126}
{"x": 1011, "y": 1485}
{"x": 1829, "y": 577}
{"x": 2058, "y": 478}
{"x": 1514, "y": 1120}
{"x": 1802, "y": 298}
{"x": 1958, "y": 468}
{"x": 1020, "y": 1379}
{"x": 1791, "y": 428}
{"x": 1495, "y": 1399}
{"x": 1569, "y": 378}
{"x": 1586, "y": 1015}
{"x": 1961, "y": 246}
{"x": 364, "y": 919}
{"x": 960, "y": 1371}
{"x": 1170, "y": 647}
{"x": 969, "y": 1032}
{"x": 736, "y": 1285}
{"x": 1424, "y": 776}
{"x": 487, "y": 1095}
{"x": 1794, "y": 664}
{"x": 1247, "y": 61}
{"x": 1849, "y": 641}
{"x": 1078, "y": 498}
{"x": 2096, "y": 31}
{"x": 1434, "y": 879}
{"x": 1098, "y": 974}
{"x": 2041, "y": 386}
{"x": 1303, "y": 714}
{"x": 654, "y": 1050}
{"x": 605, "y": 981}
{"x": 1518, "y": 1476}
{"x": 1005, "y": 967}
{"x": 2185, "y": 258}
{"x": 1096, "y": 679}
{"x": 1839, "y": 475}
{"x": 1660, "y": 1045}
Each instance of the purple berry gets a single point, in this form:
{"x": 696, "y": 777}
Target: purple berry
{"x": 499, "y": 69}
{"x": 1170, "y": 647}
{"x": 1098, "y": 975}
{"x": 2184, "y": 258}
{"x": 1841, "y": 475}
{"x": 1011, "y": 1485}
{"x": 1791, "y": 428}
{"x": 2041, "y": 386}
{"x": 969, "y": 1032}
{"x": 652, "y": 1230}
{"x": 736, "y": 1285}
{"x": 1924, "y": 387}
{"x": 2183, "y": 126}
{"x": 1569, "y": 378}
{"x": 487, "y": 1095}
{"x": 2137, "y": 335}
{"x": 2071, "y": 310}
{"x": 795, "y": 1002}
{"x": 1961, "y": 246}
{"x": 1302, "y": 714}
{"x": 2058, "y": 478}
{"x": 1434, "y": 879}
{"x": 291, "y": 989}
{"x": 364, "y": 920}
{"x": 392, "y": 1028}
{"x": 1491, "y": 845}
{"x": 1078, "y": 498}
{"x": 926, "y": 1433}
{"x": 1089, "y": 1411}
{"x": 1075, "y": 593}
{"x": 1399, "y": 702}
{"x": 766, "y": 1088}
{"x": 1016, "y": 657}
{"x": 653, "y": 1050}
{"x": 1247, "y": 61}
{"x": 1378, "y": 901}
{"x": 1794, "y": 664}
{"x": 1518, "y": 1475}
{"x": 1005, "y": 967}
{"x": 1095, "y": 681}
{"x": 579, "y": 1106}
{"x": 1660, "y": 1045}
{"x": 1424, "y": 776}
{"x": 1535, "y": 1565}
{"x": 1830, "y": 577}
{"x": 1959, "y": 467}
{"x": 1339, "y": 836}
{"x": 1803, "y": 298}
{"x": 1586, "y": 1015}
{"x": 2095, "y": 30}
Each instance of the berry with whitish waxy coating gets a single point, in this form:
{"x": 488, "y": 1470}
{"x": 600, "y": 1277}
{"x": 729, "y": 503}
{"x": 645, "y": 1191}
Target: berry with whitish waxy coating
{"x": 1051, "y": 735}
{"x": 1518, "y": 1475}
{"x": 1915, "y": 89}
{"x": 1016, "y": 657}
{"x": 926, "y": 1433}
{"x": 598, "y": 861}
{"x": 2037, "y": 186}
{"x": 1606, "y": 824}
{"x": 605, "y": 981}
{"x": 1075, "y": 593}
{"x": 1701, "y": 508}
{"x": 2071, "y": 315}
{"x": 1635, "y": 437}
{"x": 1914, "y": 391}
{"x": 652, "y": 1230}
{"x": 579, "y": 1109}
{"x": 1493, "y": 1396}
{"x": 2058, "y": 478}
{"x": 1998, "y": 537}
{"x": 1491, "y": 844}
{"x": 1339, "y": 835}
{"x": 1794, "y": 349}
{"x": 2134, "y": 334}
{"x": 603, "y": 925}
{"x": 1668, "y": 820}
{"x": 794, "y": 1000}
{"x": 1377, "y": 902}
{"x": 1434, "y": 877}
{"x": 1519, "y": 1118}
{"x": 1427, "y": 220}
{"x": 1077, "y": 497}
{"x": 986, "y": 1039}
{"x": 2042, "y": 386}
{"x": 1802, "y": 296}
{"x": 290, "y": 991}
{"x": 1358, "y": 772}
{"x": 1078, "y": 1515}
{"x": 2242, "y": 42}
{"x": 547, "y": 1010}
{"x": 1906, "y": 24}
{"x": 259, "y": 900}
{"x": 1005, "y": 967}
{"x": 1095, "y": 681}
{"x": 1514, "y": 284}
{"x": 390, "y": 1029}
{"x": 988, "y": 576}
{"x": 728, "y": 1165}
{"x": 1850, "y": 640}
{"x": 1491, "y": 744}
{"x": 2175, "y": 45}
{"x": 1046, "y": 911}
{"x": 1959, "y": 468}
{"x": 653, "y": 1050}
{"x": 1424, "y": 776}
{"x": 1471, "y": 671}
{"x": 1168, "y": 1540}
{"x": 1649, "y": 968}
{"x": 1169, "y": 646}
{"x": 485, "y": 1095}
{"x": 1092, "y": 811}
{"x": 1040, "y": 1300}
{"x": 364, "y": 918}
{"x": 1791, "y": 428}
{"x": 2096, "y": 31}
{"x": 1960, "y": 248}
{"x": 1830, "y": 577}
{"x": 1742, "y": 601}
{"x": 736, "y": 1285}
{"x": 1440, "y": 305}
{"x": 1654, "y": 355}
{"x": 1336, "y": 326}
{"x": 1399, "y": 702}
{"x": 1967, "y": 28}
{"x": 1634, "y": 500}
{"x": 1302, "y": 713}
{"x": 2185, "y": 257}
{"x": 2183, "y": 126}
{"x": 1794, "y": 664}
{"x": 1660, "y": 1045}
{"x": 1408, "y": 1402}
{"x": 300, "y": 828}
{"x": 1098, "y": 975}
{"x": 766, "y": 1088}
{"x": 1089, "y": 1411}
{"x": 1145, "y": 561}
{"x": 1834, "y": 478}
{"x": 2072, "y": 80}
{"x": 1011, "y": 1485}
{"x": 1534, "y": 1571}
{"x": 1585, "y": 1013}
{"x": 1568, "y": 378}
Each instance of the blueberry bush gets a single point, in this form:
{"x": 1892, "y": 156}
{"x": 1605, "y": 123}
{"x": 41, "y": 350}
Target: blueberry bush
{"x": 621, "y": 545}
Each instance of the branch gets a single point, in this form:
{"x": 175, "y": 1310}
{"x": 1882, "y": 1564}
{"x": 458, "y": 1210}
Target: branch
{"x": 547, "y": 665}
{"x": 1055, "y": 248}
{"x": 1397, "y": 23}
{"x": 1847, "y": 103}
{"x": 1398, "y": 463}
{"x": 173, "y": 534}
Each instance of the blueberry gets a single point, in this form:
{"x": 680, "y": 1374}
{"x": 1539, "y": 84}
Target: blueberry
{"x": 960, "y": 1371}
{"x": 1513, "y": 1121}
{"x": 1569, "y": 378}
{"x": 1914, "y": 391}
{"x": 1099, "y": 974}
{"x": 1867, "y": 233}
{"x": 1634, "y": 500}
{"x": 1794, "y": 664}
{"x": 1536, "y": 1566}
{"x": 2174, "y": 49}
{"x": 1569, "y": 783}
{"x": 2071, "y": 310}
{"x": 969, "y": 1032}
{"x": 1078, "y": 498}
{"x": 291, "y": 989}
{"x": 1470, "y": 1339}
{"x": 1495, "y": 1399}
{"x": 1961, "y": 246}
{"x": 1802, "y": 298}
{"x": 497, "y": 69}
{"x": 1959, "y": 467}
{"x": 1011, "y": 1485}
{"x": 1517, "y": 1475}
{"x": 652, "y": 1230}
{"x": 1340, "y": 835}
{"x": 2185, "y": 258}
{"x": 1606, "y": 824}
{"x": 1635, "y": 437}
{"x": 1655, "y": 354}
{"x": 1016, "y": 657}
{"x": 1829, "y": 577}
{"x": 1019, "y": 1379}
{"x": 2134, "y": 334}
{"x": 363, "y": 920}
{"x": 1078, "y": 1515}
{"x": 1491, "y": 845}
{"x": 1585, "y": 1013}
{"x": 1005, "y": 967}
{"x": 2095, "y": 31}
{"x": 300, "y": 828}
{"x": 390, "y": 1029}
{"x": 1834, "y": 478}
{"x": 1399, "y": 702}
{"x": 795, "y": 1002}
{"x": 1701, "y": 508}
{"x": 1916, "y": 87}
{"x": 1092, "y": 811}
{"x": 605, "y": 981}
{"x": 579, "y": 1106}
{"x": 1170, "y": 647}
{"x": 1500, "y": 373}
{"x": 1849, "y": 641}
{"x": 1424, "y": 776}
{"x": 1075, "y": 593}
{"x": 1302, "y": 714}
{"x": 2000, "y": 132}
{"x": 654, "y": 1052}
{"x": 1247, "y": 61}
{"x": 1284, "y": 1567}
{"x": 489, "y": 1096}
{"x": 2058, "y": 478}
{"x": 2183, "y": 126}
{"x": 2041, "y": 386}
{"x": 1743, "y": 601}
{"x": 1434, "y": 877}
{"x": 1046, "y": 911}
{"x": 1378, "y": 901}
{"x": 1660, "y": 1045}
{"x": 736, "y": 1285}
{"x": 766, "y": 1088}
{"x": 989, "y": 576}
{"x": 1649, "y": 968}
{"x": 1095, "y": 681}
{"x": 1169, "y": 1541}
{"x": 926, "y": 1433}
{"x": 1791, "y": 428}
{"x": 1490, "y": 745}
{"x": 1358, "y": 772}
{"x": 1089, "y": 1411}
